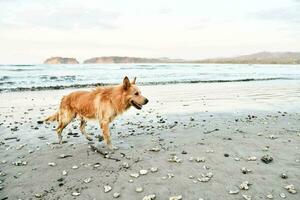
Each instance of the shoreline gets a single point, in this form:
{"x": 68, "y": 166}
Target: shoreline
{"x": 79, "y": 86}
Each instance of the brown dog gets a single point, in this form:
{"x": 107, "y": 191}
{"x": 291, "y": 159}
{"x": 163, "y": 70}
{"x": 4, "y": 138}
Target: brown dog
{"x": 102, "y": 104}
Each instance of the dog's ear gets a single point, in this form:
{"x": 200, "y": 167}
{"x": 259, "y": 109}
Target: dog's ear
{"x": 126, "y": 83}
{"x": 133, "y": 81}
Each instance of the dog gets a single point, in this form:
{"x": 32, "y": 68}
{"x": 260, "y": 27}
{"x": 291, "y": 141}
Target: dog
{"x": 102, "y": 103}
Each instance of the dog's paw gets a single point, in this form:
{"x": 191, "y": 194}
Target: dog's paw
{"x": 112, "y": 147}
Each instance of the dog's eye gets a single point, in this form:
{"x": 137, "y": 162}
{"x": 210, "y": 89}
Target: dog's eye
{"x": 136, "y": 93}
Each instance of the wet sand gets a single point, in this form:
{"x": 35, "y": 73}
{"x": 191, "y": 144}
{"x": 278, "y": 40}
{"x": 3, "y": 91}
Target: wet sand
{"x": 198, "y": 136}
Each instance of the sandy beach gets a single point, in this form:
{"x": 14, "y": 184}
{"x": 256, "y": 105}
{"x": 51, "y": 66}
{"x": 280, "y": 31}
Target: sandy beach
{"x": 191, "y": 141}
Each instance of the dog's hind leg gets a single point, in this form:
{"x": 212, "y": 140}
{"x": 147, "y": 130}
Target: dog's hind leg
{"x": 64, "y": 119}
{"x": 82, "y": 129}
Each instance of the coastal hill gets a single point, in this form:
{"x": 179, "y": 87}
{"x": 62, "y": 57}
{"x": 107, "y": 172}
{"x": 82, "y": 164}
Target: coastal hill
{"x": 61, "y": 60}
{"x": 257, "y": 58}
{"x": 118, "y": 59}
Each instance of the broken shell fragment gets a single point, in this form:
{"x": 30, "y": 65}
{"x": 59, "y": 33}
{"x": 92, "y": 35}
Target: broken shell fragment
{"x": 234, "y": 191}
{"x": 247, "y": 197}
{"x": 134, "y": 175}
{"x": 202, "y": 159}
{"x": 107, "y": 188}
{"x": 291, "y": 189}
{"x": 245, "y": 185}
{"x": 252, "y": 158}
{"x": 174, "y": 159}
{"x": 179, "y": 197}
{"x": 87, "y": 180}
{"x": 245, "y": 170}
{"x": 149, "y": 197}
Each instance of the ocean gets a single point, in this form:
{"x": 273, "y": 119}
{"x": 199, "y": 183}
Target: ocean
{"x": 43, "y": 77}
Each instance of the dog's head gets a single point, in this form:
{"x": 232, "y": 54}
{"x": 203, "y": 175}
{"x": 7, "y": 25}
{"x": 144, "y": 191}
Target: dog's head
{"x": 133, "y": 94}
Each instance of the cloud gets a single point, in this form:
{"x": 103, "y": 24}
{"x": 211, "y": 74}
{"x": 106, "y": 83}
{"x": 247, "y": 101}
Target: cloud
{"x": 164, "y": 11}
{"x": 287, "y": 14}
{"x": 57, "y": 16}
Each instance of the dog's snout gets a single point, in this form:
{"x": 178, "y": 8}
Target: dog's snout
{"x": 146, "y": 101}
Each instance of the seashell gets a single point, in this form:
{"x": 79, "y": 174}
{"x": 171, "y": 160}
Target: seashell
{"x": 143, "y": 171}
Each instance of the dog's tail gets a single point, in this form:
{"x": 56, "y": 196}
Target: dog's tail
{"x": 52, "y": 118}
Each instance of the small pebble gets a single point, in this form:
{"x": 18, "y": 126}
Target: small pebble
{"x": 234, "y": 191}
{"x": 284, "y": 176}
{"x": 125, "y": 165}
{"x": 38, "y": 195}
{"x": 87, "y": 180}
{"x": 282, "y": 195}
{"x": 154, "y": 169}
{"x": 52, "y": 164}
{"x": 75, "y": 194}
{"x": 139, "y": 189}
{"x": 179, "y": 197}
{"x": 64, "y": 172}
{"x": 116, "y": 195}
{"x": 266, "y": 159}
{"x": 247, "y": 197}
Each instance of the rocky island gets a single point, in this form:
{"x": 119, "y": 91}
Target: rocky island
{"x": 61, "y": 60}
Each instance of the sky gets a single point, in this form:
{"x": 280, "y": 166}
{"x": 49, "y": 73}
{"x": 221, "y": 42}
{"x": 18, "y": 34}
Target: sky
{"x": 33, "y": 30}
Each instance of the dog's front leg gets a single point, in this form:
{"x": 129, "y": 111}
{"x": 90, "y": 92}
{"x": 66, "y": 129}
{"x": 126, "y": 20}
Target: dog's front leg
{"x": 105, "y": 131}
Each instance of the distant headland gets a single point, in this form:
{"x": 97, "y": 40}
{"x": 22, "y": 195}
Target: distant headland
{"x": 257, "y": 58}
{"x": 61, "y": 60}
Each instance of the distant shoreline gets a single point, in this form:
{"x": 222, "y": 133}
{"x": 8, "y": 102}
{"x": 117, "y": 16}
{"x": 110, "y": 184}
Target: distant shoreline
{"x": 257, "y": 58}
